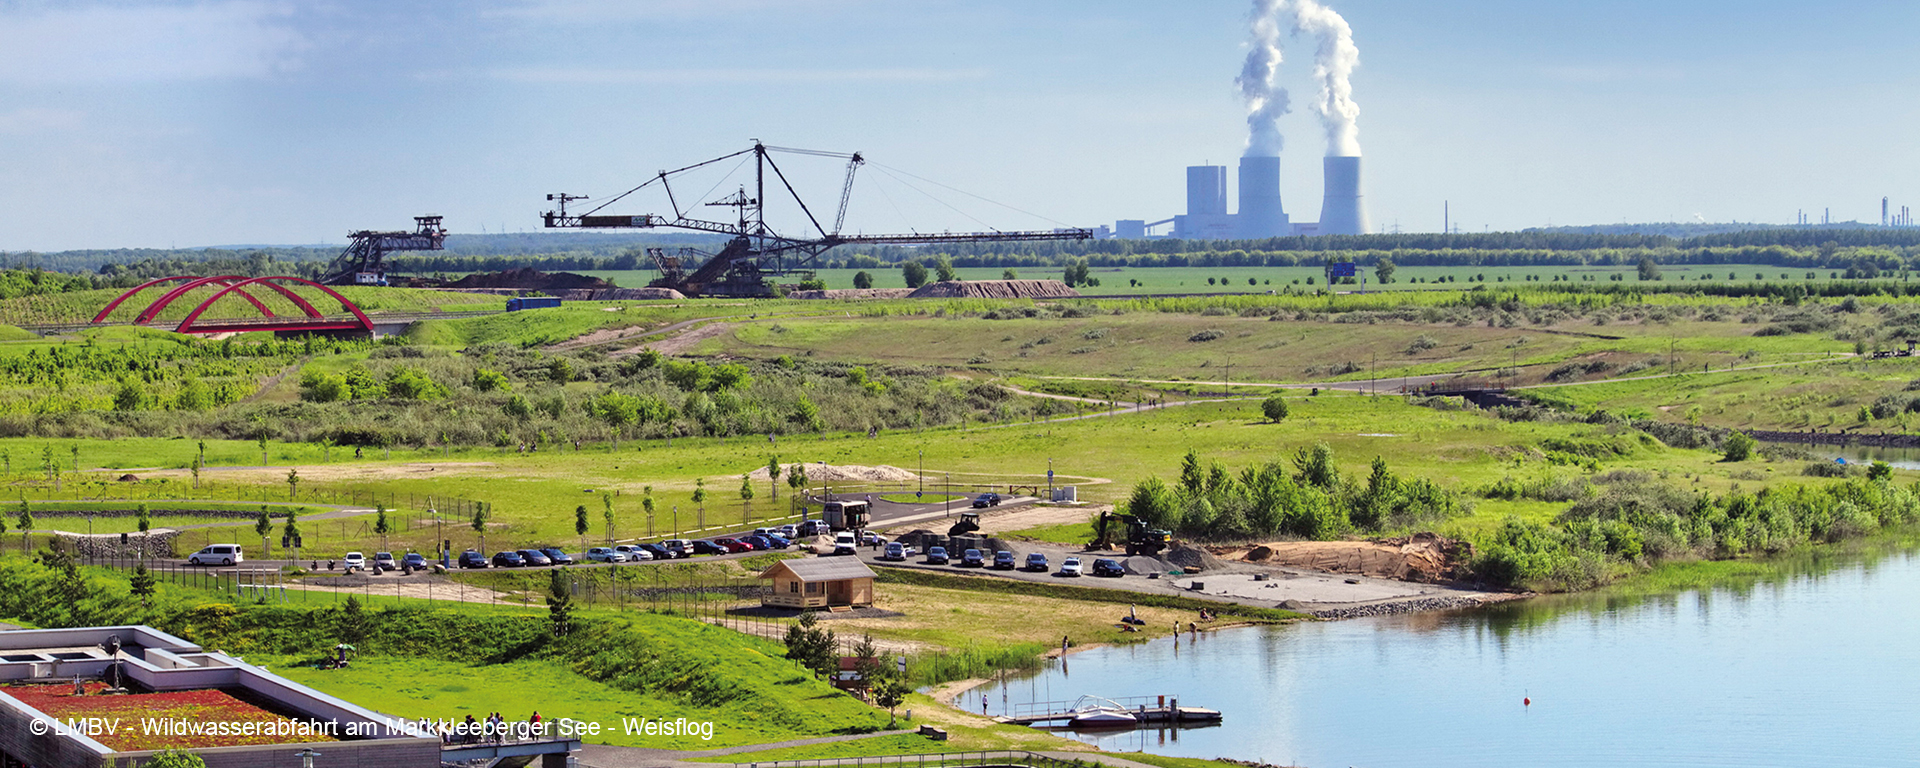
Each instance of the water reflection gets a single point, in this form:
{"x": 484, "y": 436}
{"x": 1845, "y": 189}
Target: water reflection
{"x": 1803, "y": 666}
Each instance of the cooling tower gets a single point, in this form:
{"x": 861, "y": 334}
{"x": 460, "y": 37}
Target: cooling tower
{"x": 1260, "y": 213}
{"x": 1342, "y": 213}
{"x": 1206, "y": 190}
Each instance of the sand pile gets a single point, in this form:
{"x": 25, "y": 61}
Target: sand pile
{"x": 1423, "y": 557}
{"x": 616, "y": 294}
{"x": 852, "y": 293}
{"x": 842, "y": 473}
{"x": 528, "y": 278}
{"x": 1190, "y": 557}
{"x": 995, "y": 289}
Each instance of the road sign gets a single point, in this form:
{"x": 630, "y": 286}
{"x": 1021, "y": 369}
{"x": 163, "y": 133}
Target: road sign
{"x": 918, "y": 494}
{"x": 900, "y": 663}
{"x": 1049, "y": 475}
{"x": 1341, "y": 269}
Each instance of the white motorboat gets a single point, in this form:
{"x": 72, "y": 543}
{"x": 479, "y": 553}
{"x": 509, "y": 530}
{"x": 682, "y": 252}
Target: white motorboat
{"x": 1094, "y": 712}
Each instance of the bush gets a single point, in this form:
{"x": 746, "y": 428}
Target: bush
{"x": 1275, "y": 408}
{"x": 1738, "y": 447}
{"x": 1208, "y": 335}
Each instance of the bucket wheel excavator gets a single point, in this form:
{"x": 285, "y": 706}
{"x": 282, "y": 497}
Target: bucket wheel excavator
{"x": 755, "y": 254}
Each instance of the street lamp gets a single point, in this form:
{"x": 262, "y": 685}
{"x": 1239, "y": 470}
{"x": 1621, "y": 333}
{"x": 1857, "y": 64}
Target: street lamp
{"x": 306, "y": 757}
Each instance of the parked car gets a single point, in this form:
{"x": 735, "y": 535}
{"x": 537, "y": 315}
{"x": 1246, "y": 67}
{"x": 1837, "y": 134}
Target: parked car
{"x": 972, "y": 558}
{"x": 472, "y": 559}
{"x": 679, "y": 547}
{"x": 658, "y": 552}
{"x": 790, "y": 531}
{"x": 508, "y": 559}
{"x": 1108, "y": 567}
{"x": 413, "y": 560}
{"x": 844, "y": 544}
{"x": 1037, "y": 562}
{"x": 733, "y": 545}
{"x": 936, "y": 555}
{"x": 871, "y": 539}
{"x": 1069, "y": 567}
{"x": 354, "y": 561}
{"x": 986, "y": 500}
{"x": 1003, "y": 560}
{"x": 606, "y": 555}
{"x": 778, "y": 541}
{"x": 534, "y": 557}
{"x": 216, "y": 554}
{"x": 705, "y": 547}
{"x": 633, "y": 552}
{"x": 814, "y": 528}
{"x": 558, "y": 556}
{"x": 759, "y": 542}
{"x": 384, "y": 561}
{"x": 894, "y": 552}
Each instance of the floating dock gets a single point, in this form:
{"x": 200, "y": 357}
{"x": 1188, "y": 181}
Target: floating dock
{"x": 1145, "y": 710}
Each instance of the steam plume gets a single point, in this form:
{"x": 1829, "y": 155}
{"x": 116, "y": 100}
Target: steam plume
{"x": 1333, "y": 66}
{"x": 1259, "y": 81}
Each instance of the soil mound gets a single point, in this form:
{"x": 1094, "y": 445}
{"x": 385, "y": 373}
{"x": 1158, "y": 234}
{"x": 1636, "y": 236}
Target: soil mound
{"x": 1141, "y": 565}
{"x": 1424, "y": 558}
{"x": 853, "y": 293}
{"x": 615, "y": 294}
{"x": 995, "y": 289}
{"x": 528, "y": 278}
{"x": 1191, "y": 557}
{"x": 841, "y": 473}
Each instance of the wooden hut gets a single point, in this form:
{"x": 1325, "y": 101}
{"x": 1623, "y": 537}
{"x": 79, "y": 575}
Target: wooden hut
{"x": 819, "y": 582}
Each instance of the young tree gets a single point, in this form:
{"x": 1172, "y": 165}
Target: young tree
{"x": 381, "y": 525}
{"x": 480, "y": 527}
{"x": 797, "y": 478}
{"x": 75, "y": 449}
{"x": 1648, "y": 269}
{"x": 293, "y": 483}
{"x": 914, "y": 272}
{"x": 291, "y": 531}
{"x": 891, "y": 692}
{"x": 746, "y": 487}
{"x": 773, "y": 475}
{"x": 606, "y": 500}
{"x": 141, "y": 584}
{"x": 943, "y": 269}
{"x": 1275, "y": 408}
{"x": 862, "y": 280}
{"x": 262, "y": 441}
{"x": 196, "y": 471}
{"x": 263, "y": 525}
{"x": 1010, "y": 274}
{"x": 25, "y": 520}
{"x": 812, "y": 646}
{"x": 559, "y": 604}
{"x": 646, "y": 504}
{"x": 145, "y": 523}
{"x": 700, "y": 498}
{"x": 580, "y": 526}
{"x": 1383, "y": 270}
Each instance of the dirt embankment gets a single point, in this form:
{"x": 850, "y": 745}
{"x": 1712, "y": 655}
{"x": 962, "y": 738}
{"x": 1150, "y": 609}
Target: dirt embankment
{"x": 842, "y": 473}
{"x": 853, "y": 293}
{"x": 995, "y": 289}
{"x": 1423, "y": 558}
{"x": 528, "y": 278}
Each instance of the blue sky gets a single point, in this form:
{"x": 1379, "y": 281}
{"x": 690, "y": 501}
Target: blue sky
{"x": 170, "y": 123}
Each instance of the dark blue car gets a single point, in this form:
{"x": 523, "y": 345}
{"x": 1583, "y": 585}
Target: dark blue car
{"x": 705, "y": 547}
{"x": 472, "y": 559}
{"x": 413, "y": 560}
{"x": 508, "y": 559}
{"x": 658, "y": 552}
{"x": 557, "y": 557}
{"x": 534, "y": 557}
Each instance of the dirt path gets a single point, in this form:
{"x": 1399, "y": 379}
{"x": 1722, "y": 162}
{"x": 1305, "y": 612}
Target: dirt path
{"x": 274, "y": 380}
{"x": 682, "y": 338}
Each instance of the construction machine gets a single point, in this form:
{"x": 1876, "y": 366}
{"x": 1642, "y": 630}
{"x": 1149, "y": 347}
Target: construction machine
{"x": 969, "y": 522}
{"x": 364, "y": 260}
{"x": 1142, "y": 538}
{"x": 756, "y": 254}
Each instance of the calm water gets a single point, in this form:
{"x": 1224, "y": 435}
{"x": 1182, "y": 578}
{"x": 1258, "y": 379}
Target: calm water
{"x": 1814, "y": 667}
{"x": 1900, "y": 458}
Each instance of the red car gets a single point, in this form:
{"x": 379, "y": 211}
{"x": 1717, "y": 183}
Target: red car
{"x": 734, "y": 545}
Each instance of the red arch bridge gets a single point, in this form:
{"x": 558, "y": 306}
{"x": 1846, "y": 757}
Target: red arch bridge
{"x": 351, "y": 320}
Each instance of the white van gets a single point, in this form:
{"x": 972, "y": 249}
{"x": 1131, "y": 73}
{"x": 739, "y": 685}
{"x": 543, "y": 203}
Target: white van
{"x": 216, "y": 554}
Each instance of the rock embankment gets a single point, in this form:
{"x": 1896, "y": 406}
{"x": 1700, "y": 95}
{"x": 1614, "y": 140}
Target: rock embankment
{"x": 995, "y": 289}
{"x": 1399, "y": 606}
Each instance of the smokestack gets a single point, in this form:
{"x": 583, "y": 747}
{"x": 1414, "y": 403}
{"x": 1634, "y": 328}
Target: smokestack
{"x": 1342, "y": 212}
{"x": 1261, "y": 215}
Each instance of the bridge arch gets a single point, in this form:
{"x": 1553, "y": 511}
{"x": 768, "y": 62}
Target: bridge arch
{"x": 131, "y": 292}
{"x": 153, "y": 310}
{"x": 275, "y": 282}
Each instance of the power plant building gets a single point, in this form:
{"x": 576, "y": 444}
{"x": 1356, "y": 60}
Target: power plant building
{"x": 1261, "y": 213}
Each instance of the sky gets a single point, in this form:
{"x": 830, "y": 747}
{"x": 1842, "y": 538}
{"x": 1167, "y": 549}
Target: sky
{"x": 185, "y": 123}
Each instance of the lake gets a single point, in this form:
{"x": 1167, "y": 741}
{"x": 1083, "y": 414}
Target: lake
{"x": 1816, "y": 665}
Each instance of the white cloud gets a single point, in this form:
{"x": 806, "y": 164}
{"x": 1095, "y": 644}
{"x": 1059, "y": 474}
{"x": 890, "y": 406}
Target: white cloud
{"x": 236, "y": 39}
{"x": 710, "y": 76}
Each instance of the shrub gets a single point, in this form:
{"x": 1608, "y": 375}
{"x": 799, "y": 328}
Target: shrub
{"x": 1738, "y": 447}
{"x": 1275, "y": 408}
{"x": 1207, "y": 335}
